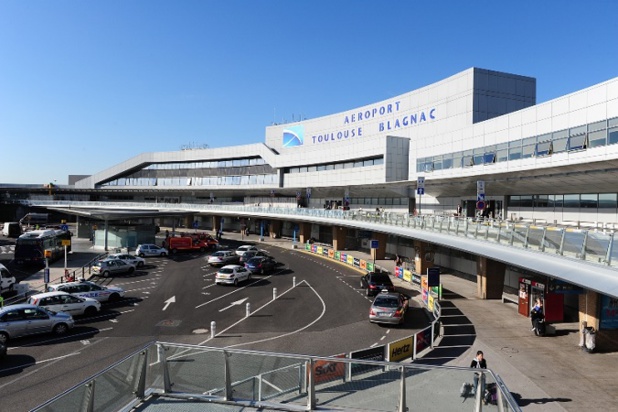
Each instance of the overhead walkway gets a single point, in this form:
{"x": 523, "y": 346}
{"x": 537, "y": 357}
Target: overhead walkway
{"x": 586, "y": 258}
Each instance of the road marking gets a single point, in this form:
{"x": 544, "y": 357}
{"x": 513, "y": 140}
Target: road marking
{"x": 169, "y": 301}
{"x": 114, "y": 320}
{"x": 85, "y": 342}
{"x": 234, "y": 291}
{"x": 235, "y": 303}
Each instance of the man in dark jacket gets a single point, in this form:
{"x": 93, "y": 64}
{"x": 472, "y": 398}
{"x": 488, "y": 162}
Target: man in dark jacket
{"x": 480, "y": 363}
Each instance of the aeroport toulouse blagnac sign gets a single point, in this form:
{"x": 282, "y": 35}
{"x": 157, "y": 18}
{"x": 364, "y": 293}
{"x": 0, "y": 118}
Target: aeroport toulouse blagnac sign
{"x": 353, "y": 125}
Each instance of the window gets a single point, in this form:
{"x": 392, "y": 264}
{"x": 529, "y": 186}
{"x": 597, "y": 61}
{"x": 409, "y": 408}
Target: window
{"x": 515, "y": 153}
{"x": 608, "y": 200}
{"x": 577, "y": 142}
{"x": 589, "y": 201}
{"x": 612, "y": 135}
{"x": 489, "y": 158}
{"x": 598, "y": 138}
{"x": 543, "y": 148}
{"x": 571, "y": 201}
{"x": 437, "y": 163}
{"x": 541, "y": 201}
{"x": 593, "y": 127}
{"x": 560, "y": 145}
{"x": 378, "y": 161}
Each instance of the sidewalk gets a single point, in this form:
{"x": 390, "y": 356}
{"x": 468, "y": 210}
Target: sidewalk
{"x": 550, "y": 373}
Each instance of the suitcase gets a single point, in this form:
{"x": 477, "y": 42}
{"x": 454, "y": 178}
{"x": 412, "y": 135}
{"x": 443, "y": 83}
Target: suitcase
{"x": 539, "y": 327}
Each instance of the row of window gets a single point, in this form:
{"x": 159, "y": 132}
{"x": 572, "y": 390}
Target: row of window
{"x": 574, "y": 201}
{"x": 591, "y": 135}
{"x": 253, "y": 161}
{"x": 337, "y": 166}
{"x": 267, "y": 180}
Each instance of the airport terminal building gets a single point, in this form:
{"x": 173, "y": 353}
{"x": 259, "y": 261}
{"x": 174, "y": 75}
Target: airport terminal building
{"x": 473, "y": 144}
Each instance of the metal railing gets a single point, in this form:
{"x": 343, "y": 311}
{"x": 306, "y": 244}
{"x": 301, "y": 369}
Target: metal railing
{"x": 591, "y": 245}
{"x": 170, "y": 373}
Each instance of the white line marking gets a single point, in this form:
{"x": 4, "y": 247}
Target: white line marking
{"x": 234, "y": 291}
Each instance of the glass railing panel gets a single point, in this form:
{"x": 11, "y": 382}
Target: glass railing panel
{"x": 573, "y": 243}
{"x": 553, "y": 238}
{"x": 535, "y": 237}
{"x": 597, "y": 244}
{"x": 196, "y": 370}
{"x": 71, "y": 401}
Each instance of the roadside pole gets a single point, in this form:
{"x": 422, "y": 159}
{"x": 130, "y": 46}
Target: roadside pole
{"x": 46, "y": 270}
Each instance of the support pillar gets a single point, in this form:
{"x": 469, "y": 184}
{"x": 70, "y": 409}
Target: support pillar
{"x": 304, "y": 232}
{"x": 489, "y": 278}
{"x": 339, "y": 235}
{"x": 188, "y": 221}
{"x": 380, "y": 252}
{"x": 216, "y": 224}
{"x": 275, "y": 229}
{"x": 423, "y": 258}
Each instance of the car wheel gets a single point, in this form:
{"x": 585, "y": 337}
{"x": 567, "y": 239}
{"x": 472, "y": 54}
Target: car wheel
{"x": 174, "y": 251}
{"x": 90, "y": 311}
{"x": 131, "y": 270}
{"x": 11, "y": 287}
{"x": 140, "y": 264}
{"x": 4, "y": 338}
{"x": 114, "y": 297}
{"x": 60, "y": 329}
{"x": 202, "y": 250}
{"x": 141, "y": 255}
{"x": 106, "y": 273}
{"x": 249, "y": 276}
{"x": 235, "y": 282}
{"x": 163, "y": 254}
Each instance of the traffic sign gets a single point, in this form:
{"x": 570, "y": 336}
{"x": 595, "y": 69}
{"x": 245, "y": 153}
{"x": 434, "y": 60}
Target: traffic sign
{"x": 46, "y": 275}
{"x": 374, "y": 243}
{"x": 480, "y": 205}
{"x": 480, "y": 186}
{"x": 420, "y": 191}
{"x": 480, "y": 197}
{"x": 420, "y": 182}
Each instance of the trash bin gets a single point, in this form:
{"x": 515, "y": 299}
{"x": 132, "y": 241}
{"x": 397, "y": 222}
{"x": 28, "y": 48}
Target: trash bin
{"x": 589, "y": 338}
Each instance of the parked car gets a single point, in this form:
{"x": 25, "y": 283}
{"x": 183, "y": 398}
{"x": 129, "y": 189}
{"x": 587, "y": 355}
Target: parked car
{"x": 388, "y": 307}
{"x": 87, "y": 289}
{"x": 149, "y": 249}
{"x": 64, "y": 302}
{"x": 7, "y": 281}
{"x": 251, "y": 254}
{"x": 261, "y": 264}
{"x": 246, "y": 248}
{"x": 2, "y": 351}
{"x": 376, "y": 282}
{"x": 107, "y": 267}
{"x": 130, "y": 259}
{"x": 25, "y": 319}
{"x": 232, "y": 275}
{"x": 223, "y": 257}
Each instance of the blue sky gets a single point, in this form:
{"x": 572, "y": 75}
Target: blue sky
{"x": 85, "y": 85}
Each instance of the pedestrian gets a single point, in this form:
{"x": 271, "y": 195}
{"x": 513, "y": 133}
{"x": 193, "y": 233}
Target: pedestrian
{"x": 478, "y": 362}
{"x": 536, "y": 314}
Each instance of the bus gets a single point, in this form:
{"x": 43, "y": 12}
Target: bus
{"x": 32, "y": 219}
{"x": 31, "y": 246}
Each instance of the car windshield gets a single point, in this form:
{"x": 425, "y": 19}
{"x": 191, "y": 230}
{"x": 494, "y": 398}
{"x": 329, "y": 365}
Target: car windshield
{"x": 254, "y": 261}
{"x": 386, "y": 302}
{"x": 226, "y": 271}
{"x": 384, "y": 279}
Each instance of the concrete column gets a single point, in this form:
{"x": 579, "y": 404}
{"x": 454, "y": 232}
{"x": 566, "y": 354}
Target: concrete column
{"x": 590, "y": 313}
{"x": 380, "y": 252}
{"x": 304, "y": 232}
{"x": 339, "y": 235}
{"x": 424, "y": 257}
{"x": 216, "y": 223}
{"x": 489, "y": 278}
{"x": 188, "y": 221}
{"x": 275, "y": 228}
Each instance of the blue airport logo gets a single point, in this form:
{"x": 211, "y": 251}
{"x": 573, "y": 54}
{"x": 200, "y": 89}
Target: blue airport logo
{"x": 294, "y": 136}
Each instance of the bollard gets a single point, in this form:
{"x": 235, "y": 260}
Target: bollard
{"x": 274, "y": 293}
{"x": 213, "y": 329}
{"x": 248, "y": 312}
{"x": 294, "y": 281}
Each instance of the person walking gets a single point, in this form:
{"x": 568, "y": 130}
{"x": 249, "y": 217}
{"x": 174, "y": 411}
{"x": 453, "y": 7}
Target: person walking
{"x": 537, "y": 315}
{"x": 478, "y": 362}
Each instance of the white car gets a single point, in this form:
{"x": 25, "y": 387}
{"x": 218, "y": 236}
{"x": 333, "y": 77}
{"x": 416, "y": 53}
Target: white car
{"x": 232, "y": 275}
{"x": 7, "y": 281}
{"x": 222, "y": 258}
{"x": 87, "y": 289}
{"x": 64, "y": 302}
{"x": 130, "y": 259}
{"x": 246, "y": 248}
{"x": 150, "y": 249}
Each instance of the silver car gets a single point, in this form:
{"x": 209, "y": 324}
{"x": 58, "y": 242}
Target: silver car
{"x": 388, "y": 307}
{"x": 149, "y": 249}
{"x": 222, "y": 258}
{"x": 107, "y": 267}
{"x": 23, "y": 320}
{"x": 87, "y": 289}
{"x": 130, "y": 259}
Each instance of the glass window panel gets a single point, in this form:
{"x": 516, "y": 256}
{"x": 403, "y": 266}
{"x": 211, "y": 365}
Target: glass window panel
{"x": 303, "y": 169}
{"x": 578, "y": 130}
{"x": 558, "y": 200}
{"x": 428, "y": 167}
{"x": 330, "y": 167}
{"x": 502, "y": 146}
{"x": 388, "y": 201}
{"x": 468, "y": 161}
{"x": 529, "y": 141}
{"x": 457, "y": 159}
{"x": 515, "y": 153}
{"x": 597, "y": 138}
{"x": 612, "y": 122}
{"x": 541, "y": 201}
{"x": 311, "y": 168}
{"x": 571, "y": 201}
{"x": 560, "y": 134}
{"x": 612, "y": 136}
{"x": 378, "y": 161}
{"x": 339, "y": 166}
{"x": 260, "y": 179}
{"x": 368, "y": 162}
{"x": 489, "y": 158}
{"x": 358, "y": 163}
{"x": 559, "y": 145}
{"x": 437, "y": 163}
{"x": 526, "y": 201}
{"x": 477, "y": 159}
{"x": 528, "y": 151}
{"x": 593, "y": 127}
{"x": 321, "y": 167}
{"x": 502, "y": 155}
{"x": 447, "y": 163}
{"x": 543, "y": 149}
{"x": 348, "y": 165}
{"x": 608, "y": 200}
{"x": 577, "y": 142}
{"x": 515, "y": 143}
{"x": 589, "y": 201}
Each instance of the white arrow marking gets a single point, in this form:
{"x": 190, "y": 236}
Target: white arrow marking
{"x": 238, "y": 302}
{"x": 170, "y": 300}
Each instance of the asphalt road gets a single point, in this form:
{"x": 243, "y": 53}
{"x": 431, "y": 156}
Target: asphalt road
{"x": 319, "y": 310}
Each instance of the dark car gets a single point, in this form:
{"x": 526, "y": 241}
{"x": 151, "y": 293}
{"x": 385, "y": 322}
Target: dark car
{"x": 376, "y": 282}
{"x": 261, "y": 264}
{"x": 251, "y": 254}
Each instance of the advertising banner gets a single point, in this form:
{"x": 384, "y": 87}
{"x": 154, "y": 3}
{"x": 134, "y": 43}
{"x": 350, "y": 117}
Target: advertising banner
{"x": 370, "y": 267}
{"x": 331, "y": 253}
{"x": 324, "y": 371}
{"x": 609, "y": 313}
{"x": 374, "y": 354}
{"x": 356, "y": 262}
{"x": 416, "y": 279}
{"x": 407, "y": 275}
{"x": 423, "y": 339}
{"x": 344, "y": 257}
{"x": 400, "y": 350}
{"x": 363, "y": 264}
{"x": 424, "y": 289}
{"x": 338, "y": 255}
{"x": 398, "y": 272}
{"x": 350, "y": 260}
